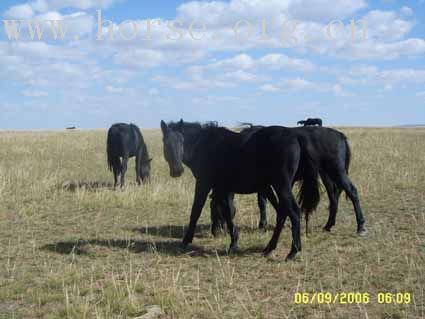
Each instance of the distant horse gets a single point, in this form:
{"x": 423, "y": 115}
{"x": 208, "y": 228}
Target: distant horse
{"x": 125, "y": 141}
{"x": 270, "y": 158}
{"x": 337, "y": 145}
{"x": 311, "y": 122}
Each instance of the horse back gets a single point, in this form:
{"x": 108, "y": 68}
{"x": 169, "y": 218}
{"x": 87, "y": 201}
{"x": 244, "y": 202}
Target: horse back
{"x": 245, "y": 163}
{"x": 326, "y": 146}
{"x": 124, "y": 139}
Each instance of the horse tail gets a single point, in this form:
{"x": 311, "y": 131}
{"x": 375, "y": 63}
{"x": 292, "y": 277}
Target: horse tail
{"x": 309, "y": 193}
{"x": 109, "y": 150}
{"x": 347, "y": 155}
{"x": 347, "y": 160}
{"x": 112, "y": 142}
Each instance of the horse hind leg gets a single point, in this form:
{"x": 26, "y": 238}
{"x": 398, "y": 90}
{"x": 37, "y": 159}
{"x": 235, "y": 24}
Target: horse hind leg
{"x": 334, "y": 192}
{"x": 229, "y": 215}
{"x": 226, "y": 202}
{"x": 287, "y": 207}
{"x": 352, "y": 193}
{"x": 116, "y": 169}
{"x": 123, "y": 169}
{"x": 307, "y": 228}
{"x": 262, "y": 205}
{"x": 217, "y": 219}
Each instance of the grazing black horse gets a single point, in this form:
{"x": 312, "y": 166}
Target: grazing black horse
{"x": 125, "y": 141}
{"x": 230, "y": 162}
{"x": 311, "y": 122}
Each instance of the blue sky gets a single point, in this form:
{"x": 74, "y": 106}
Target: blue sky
{"x": 225, "y": 76}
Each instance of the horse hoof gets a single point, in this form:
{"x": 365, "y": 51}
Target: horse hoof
{"x": 362, "y": 232}
{"x": 262, "y": 226}
{"x": 184, "y": 245}
{"x": 290, "y": 256}
{"x": 327, "y": 229}
{"x": 232, "y": 250}
{"x": 215, "y": 233}
{"x": 267, "y": 251}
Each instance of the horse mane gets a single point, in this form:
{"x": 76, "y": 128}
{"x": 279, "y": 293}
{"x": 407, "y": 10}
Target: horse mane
{"x": 194, "y": 125}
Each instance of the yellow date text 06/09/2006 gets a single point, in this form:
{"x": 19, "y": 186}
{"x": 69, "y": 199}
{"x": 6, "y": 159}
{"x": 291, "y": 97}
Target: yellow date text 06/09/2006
{"x": 352, "y": 298}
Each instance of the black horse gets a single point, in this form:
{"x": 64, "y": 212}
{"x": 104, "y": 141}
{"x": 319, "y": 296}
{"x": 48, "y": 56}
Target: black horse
{"x": 338, "y": 145}
{"x": 217, "y": 219}
{"x": 271, "y": 157}
{"x": 311, "y": 122}
{"x": 125, "y": 141}
{"x": 230, "y": 162}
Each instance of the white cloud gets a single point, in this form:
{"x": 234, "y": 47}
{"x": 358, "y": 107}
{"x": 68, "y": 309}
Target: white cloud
{"x": 46, "y": 5}
{"x": 269, "y": 88}
{"x": 241, "y": 61}
{"x": 35, "y": 93}
{"x": 386, "y": 25}
{"x": 22, "y": 11}
{"x": 407, "y": 11}
{"x": 388, "y": 78}
{"x": 300, "y": 84}
{"x": 338, "y": 90}
{"x": 280, "y": 61}
{"x": 241, "y": 76}
{"x": 219, "y": 13}
{"x": 119, "y": 90}
{"x": 324, "y": 10}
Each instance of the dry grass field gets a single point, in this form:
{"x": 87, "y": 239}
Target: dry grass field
{"x": 93, "y": 252}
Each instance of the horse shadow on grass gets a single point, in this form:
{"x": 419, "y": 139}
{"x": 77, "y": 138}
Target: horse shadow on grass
{"x": 173, "y": 231}
{"x": 170, "y": 248}
{"x": 74, "y": 185}
{"x": 202, "y": 230}
{"x": 81, "y": 246}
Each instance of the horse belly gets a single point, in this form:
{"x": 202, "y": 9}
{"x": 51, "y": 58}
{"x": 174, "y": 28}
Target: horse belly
{"x": 240, "y": 180}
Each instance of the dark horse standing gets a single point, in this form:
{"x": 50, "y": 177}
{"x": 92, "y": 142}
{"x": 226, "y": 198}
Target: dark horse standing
{"x": 337, "y": 149}
{"x": 311, "y": 122}
{"x": 269, "y": 159}
{"x": 125, "y": 141}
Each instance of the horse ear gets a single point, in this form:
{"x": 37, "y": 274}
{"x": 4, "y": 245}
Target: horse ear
{"x": 180, "y": 126}
{"x": 164, "y": 128}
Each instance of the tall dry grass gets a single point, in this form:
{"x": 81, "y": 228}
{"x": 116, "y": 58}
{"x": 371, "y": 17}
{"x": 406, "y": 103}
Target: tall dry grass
{"x": 99, "y": 253}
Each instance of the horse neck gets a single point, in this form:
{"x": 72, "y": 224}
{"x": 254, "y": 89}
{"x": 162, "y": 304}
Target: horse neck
{"x": 192, "y": 136}
{"x": 145, "y": 153}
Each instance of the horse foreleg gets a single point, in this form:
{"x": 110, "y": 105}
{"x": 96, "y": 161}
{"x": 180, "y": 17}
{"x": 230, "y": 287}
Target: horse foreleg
{"x": 138, "y": 167}
{"x": 201, "y": 194}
